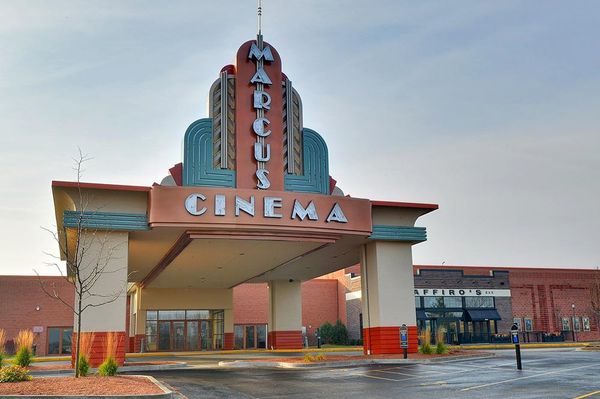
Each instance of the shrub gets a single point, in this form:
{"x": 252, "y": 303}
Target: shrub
{"x": 326, "y": 331}
{"x": 340, "y": 333}
{"x": 308, "y": 358}
{"x": 425, "y": 338}
{"x": 23, "y": 357}
{"x": 314, "y": 358}
{"x": 84, "y": 366}
{"x": 24, "y": 343}
{"x": 14, "y": 374}
{"x": 1, "y": 359}
{"x": 108, "y": 368}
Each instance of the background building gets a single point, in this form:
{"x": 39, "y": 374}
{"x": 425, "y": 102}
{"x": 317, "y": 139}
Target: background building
{"x": 472, "y": 304}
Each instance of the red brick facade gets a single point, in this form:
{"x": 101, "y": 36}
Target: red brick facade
{"x": 386, "y": 340}
{"x": 99, "y": 345}
{"x": 20, "y": 299}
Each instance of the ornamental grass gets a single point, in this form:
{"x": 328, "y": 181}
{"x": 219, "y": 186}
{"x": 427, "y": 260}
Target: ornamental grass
{"x": 85, "y": 351}
{"x": 109, "y": 367}
{"x": 425, "y": 339}
{"x": 440, "y": 339}
{"x": 2, "y": 344}
{"x": 24, "y": 344}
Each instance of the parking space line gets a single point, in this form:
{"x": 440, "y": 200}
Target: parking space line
{"x": 587, "y": 395}
{"x": 396, "y": 372}
{"x": 527, "y": 377}
{"x": 379, "y": 378}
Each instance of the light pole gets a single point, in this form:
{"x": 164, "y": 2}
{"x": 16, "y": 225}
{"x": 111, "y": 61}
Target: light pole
{"x": 574, "y": 336}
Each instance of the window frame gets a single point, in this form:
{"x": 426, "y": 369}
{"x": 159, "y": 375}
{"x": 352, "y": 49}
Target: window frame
{"x": 61, "y": 330}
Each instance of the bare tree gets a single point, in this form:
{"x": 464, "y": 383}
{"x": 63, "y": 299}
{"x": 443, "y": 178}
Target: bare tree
{"x": 87, "y": 253}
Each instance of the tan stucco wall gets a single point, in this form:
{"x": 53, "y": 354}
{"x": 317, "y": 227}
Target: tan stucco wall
{"x": 285, "y": 305}
{"x": 390, "y": 216}
{"x": 100, "y": 249}
{"x": 387, "y": 285}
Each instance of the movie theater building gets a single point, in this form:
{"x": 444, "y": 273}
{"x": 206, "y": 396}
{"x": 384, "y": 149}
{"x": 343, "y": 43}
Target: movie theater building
{"x": 252, "y": 202}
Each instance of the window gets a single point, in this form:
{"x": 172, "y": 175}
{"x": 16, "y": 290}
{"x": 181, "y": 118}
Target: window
{"x": 433, "y": 301}
{"x": 452, "y": 302}
{"x": 566, "y": 326}
{"x": 439, "y": 302}
{"x": 417, "y": 302}
{"x": 586, "y": 324}
{"x": 576, "y": 323}
{"x": 528, "y": 324}
{"x": 59, "y": 340}
{"x": 479, "y": 302}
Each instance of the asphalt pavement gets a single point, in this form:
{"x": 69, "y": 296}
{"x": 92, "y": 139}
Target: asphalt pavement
{"x": 547, "y": 373}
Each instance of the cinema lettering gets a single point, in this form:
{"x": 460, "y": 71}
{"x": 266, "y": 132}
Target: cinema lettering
{"x": 252, "y": 201}
{"x": 271, "y": 208}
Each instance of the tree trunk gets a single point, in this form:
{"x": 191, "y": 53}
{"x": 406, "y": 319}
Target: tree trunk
{"x": 78, "y": 342}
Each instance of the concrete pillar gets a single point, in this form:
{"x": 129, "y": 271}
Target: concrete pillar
{"x": 388, "y": 300}
{"x": 104, "y": 260}
{"x": 285, "y": 315}
{"x": 228, "y": 327}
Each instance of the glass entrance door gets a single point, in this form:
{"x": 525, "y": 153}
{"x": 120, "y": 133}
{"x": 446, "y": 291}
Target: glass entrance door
{"x": 192, "y": 336}
{"x": 206, "y": 334}
{"x": 178, "y": 335}
{"x": 164, "y": 336}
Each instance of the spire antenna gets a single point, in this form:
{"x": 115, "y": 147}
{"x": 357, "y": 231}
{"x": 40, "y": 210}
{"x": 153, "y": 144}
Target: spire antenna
{"x": 259, "y": 17}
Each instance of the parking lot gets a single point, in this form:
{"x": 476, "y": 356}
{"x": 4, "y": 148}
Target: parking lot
{"x": 557, "y": 373}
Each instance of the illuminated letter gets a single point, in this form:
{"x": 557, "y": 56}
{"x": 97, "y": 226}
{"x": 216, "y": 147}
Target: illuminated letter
{"x": 270, "y": 204}
{"x": 219, "y": 205}
{"x": 262, "y": 99}
{"x": 301, "y": 212}
{"x": 191, "y": 204}
{"x": 261, "y": 77}
{"x": 263, "y": 181}
{"x": 336, "y": 215}
{"x": 258, "y": 152}
{"x": 243, "y": 205}
{"x": 259, "y": 127}
{"x": 258, "y": 54}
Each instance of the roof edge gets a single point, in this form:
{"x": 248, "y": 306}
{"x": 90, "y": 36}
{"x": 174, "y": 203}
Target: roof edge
{"x": 100, "y": 186}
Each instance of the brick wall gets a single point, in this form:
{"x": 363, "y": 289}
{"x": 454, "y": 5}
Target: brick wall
{"x": 19, "y": 297}
{"x": 322, "y": 300}
{"x": 546, "y": 295}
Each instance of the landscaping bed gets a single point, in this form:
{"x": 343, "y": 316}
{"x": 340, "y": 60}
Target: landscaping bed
{"x": 93, "y": 385}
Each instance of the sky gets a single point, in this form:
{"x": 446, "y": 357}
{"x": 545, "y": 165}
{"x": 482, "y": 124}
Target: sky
{"x": 489, "y": 109}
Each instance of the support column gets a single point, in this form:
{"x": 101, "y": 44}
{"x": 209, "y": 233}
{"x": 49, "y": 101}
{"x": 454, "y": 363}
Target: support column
{"x": 285, "y": 315}
{"x": 387, "y": 287}
{"x": 103, "y": 324}
{"x": 228, "y": 328}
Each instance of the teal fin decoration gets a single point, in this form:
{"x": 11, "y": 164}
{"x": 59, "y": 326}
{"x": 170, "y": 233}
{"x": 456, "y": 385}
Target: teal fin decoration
{"x": 315, "y": 178}
{"x": 198, "y": 155}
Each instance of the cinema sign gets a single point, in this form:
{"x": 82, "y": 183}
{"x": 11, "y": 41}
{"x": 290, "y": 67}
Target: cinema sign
{"x": 276, "y": 210}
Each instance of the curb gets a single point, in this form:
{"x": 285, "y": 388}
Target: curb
{"x": 167, "y": 393}
{"x": 347, "y": 363}
{"x": 524, "y": 346}
{"x": 122, "y": 369}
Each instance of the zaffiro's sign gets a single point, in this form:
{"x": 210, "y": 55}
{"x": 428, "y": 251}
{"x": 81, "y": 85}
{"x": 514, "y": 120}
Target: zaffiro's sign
{"x": 261, "y": 103}
{"x": 461, "y": 292}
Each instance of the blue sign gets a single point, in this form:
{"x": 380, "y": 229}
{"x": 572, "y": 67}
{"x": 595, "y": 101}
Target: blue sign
{"x": 515, "y": 338}
{"x": 403, "y": 336}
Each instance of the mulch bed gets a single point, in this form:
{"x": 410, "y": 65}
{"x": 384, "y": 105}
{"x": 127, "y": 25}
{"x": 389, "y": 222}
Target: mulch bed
{"x": 120, "y": 385}
{"x": 341, "y": 358}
